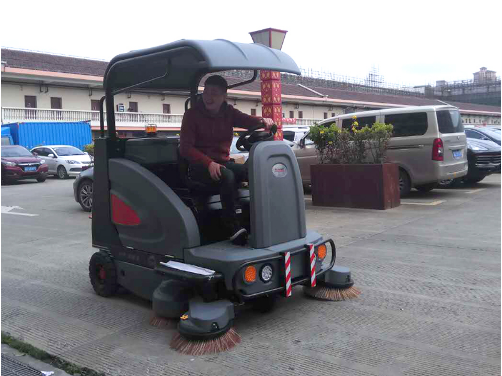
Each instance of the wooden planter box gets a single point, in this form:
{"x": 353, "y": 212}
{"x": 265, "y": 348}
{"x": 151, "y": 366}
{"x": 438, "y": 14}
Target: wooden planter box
{"x": 369, "y": 186}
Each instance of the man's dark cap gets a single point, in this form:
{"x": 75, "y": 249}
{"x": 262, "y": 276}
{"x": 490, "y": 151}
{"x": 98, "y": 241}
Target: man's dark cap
{"x": 217, "y": 81}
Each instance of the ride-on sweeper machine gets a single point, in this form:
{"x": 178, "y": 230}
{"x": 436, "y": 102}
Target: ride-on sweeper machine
{"x": 160, "y": 235}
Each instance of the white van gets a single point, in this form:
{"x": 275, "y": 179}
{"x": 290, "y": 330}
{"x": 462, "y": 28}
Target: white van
{"x": 428, "y": 143}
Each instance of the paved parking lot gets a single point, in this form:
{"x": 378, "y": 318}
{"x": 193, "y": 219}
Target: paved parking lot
{"x": 429, "y": 272}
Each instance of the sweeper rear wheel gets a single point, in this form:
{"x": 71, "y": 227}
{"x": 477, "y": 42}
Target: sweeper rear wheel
{"x": 103, "y": 274}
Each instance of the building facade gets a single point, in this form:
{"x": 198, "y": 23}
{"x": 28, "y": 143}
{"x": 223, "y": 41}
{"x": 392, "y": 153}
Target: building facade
{"x": 45, "y": 87}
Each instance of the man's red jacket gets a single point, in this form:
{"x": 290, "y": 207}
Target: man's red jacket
{"x": 206, "y": 138}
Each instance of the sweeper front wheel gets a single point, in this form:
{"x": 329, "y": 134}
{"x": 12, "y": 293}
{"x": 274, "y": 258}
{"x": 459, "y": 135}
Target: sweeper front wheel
{"x": 103, "y": 274}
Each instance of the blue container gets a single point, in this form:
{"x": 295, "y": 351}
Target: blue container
{"x": 30, "y": 134}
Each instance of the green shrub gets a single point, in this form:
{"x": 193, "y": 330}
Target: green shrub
{"x": 357, "y": 145}
{"x": 89, "y": 149}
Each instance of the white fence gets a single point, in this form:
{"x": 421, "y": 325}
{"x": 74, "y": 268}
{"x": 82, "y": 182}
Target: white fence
{"x": 12, "y": 114}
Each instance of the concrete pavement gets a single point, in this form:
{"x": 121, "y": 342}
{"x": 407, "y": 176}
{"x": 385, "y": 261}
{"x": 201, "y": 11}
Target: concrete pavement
{"x": 429, "y": 272}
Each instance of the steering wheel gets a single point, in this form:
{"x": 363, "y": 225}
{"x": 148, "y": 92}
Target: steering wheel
{"x": 251, "y": 137}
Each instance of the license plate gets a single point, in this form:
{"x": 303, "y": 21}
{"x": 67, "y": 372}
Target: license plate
{"x": 457, "y": 154}
{"x": 30, "y": 168}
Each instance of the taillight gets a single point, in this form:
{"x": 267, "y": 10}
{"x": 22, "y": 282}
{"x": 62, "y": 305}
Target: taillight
{"x": 437, "y": 150}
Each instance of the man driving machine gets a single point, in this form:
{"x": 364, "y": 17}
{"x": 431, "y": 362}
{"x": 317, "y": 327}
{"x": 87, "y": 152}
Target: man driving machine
{"x": 206, "y": 137}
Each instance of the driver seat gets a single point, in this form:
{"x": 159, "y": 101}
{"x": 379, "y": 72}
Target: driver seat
{"x": 202, "y": 195}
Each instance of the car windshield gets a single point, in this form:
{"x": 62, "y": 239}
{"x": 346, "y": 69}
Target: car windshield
{"x": 492, "y": 133}
{"x": 450, "y": 121}
{"x": 68, "y": 150}
{"x": 18, "y": 151}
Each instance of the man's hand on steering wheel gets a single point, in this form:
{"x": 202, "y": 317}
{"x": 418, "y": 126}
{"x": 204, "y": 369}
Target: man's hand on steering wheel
{"x": 267, "y": 122}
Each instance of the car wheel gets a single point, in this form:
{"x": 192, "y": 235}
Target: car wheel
{"x": 404, "y": 183}
{"x": 84, "y": 195}
{"x": 62, "y": 174}
{"x": 41, "y": 179}
{"x": 426, "y": 187}
{"x": 103, "y": 274}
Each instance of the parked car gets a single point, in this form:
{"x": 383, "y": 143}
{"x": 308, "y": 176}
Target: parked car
{"x": 83, "y": 189}
{"x": 484, "y": 133}
{"x": 484, "y": 159}
{"x": 242, "y": 156}
{"x": 63, "y": 160}
{"x": 19, "y": 163}
{"x": 294, "y": 134}
{"x": 428, "y": 144}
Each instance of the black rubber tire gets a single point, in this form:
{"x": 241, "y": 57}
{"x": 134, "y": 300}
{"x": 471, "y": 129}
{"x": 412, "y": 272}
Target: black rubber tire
{"x": 424, "y": 188}
{"x": 474, "y": 180}
{"x": 62, "y": 174}
{"x": 84, "y": 190}
{"x": 103, "y": 274}
{"x": 41, "y": 180}
{"x": 404, "y": 183}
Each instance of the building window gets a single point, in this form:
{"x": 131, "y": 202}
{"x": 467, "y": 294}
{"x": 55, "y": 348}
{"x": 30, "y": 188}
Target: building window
{"x": 94, "y": 104}
{"x": 333, "y": 114}
{"x": 325, "y": 115}
{"x": 291, "y": 114}
{"x": 253, "y": 111}
{"x": 30, "y": 101}
{"x": 283, "y": 115}
{"x": 300, "y": 114}
{"x": 133, "y": 107}
{"x": 166, "y": 108}
{"x": 56, "y": 103}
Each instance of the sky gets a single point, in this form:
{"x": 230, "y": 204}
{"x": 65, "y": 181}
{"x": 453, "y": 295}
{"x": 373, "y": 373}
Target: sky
{"x": 405, "y": 42}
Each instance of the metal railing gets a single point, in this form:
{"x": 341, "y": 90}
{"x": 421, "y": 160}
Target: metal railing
{"x": 13, "y": 114}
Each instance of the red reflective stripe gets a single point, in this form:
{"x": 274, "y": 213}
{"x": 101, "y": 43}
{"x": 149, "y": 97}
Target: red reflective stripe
{"x": 123, "y": 214}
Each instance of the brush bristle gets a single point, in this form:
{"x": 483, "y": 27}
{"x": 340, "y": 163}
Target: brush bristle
{"x": 162, "y": 322}
{"x": 202, "y": 347}
{"x": 332, "y": 294}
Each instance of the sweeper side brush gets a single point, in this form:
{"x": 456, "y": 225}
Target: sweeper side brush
{"x": 206, "y": 328}
{"x": 337, "y": 285}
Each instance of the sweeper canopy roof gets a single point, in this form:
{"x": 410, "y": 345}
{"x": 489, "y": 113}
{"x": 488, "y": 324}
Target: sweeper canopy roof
{"x": 180, "y": 65}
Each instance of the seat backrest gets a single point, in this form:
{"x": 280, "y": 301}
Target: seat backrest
{"x": 152, "y": 150}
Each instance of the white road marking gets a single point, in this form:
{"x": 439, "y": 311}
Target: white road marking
{"x": 475, "y": 190}
{"x": 433, "y": 203}
{"x": 8, "y": 210}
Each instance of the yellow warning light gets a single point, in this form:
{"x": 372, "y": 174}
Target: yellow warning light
{"x": 184, "y": 317}
{"x": 151, "y": 128}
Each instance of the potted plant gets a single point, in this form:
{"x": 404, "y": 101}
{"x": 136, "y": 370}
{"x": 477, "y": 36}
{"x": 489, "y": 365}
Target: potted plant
{"x": 353, "y": 171}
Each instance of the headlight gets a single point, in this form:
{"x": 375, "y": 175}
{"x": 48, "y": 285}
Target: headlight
{"x": 9, "y": 163}
{"x": 250, "y": 274}
{"x": 266, "y": 273}
{"x": 478, "y": 148}
{"x": 42, "y": 161}
{"x": 73, "y": 162}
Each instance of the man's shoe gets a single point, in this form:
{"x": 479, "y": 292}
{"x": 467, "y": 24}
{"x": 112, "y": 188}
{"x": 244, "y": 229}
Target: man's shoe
{"x": 240, "y": 236}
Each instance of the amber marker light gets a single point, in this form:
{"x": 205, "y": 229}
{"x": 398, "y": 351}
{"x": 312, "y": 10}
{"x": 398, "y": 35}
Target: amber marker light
{"x": 150, "y": 128}
{"x": 322, "y": 251}
{"x": 250, "y": 274}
